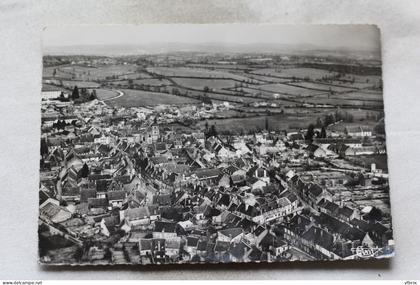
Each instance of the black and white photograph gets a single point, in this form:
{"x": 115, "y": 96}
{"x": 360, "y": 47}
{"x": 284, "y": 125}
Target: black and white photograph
{"x": 217, "y": 143}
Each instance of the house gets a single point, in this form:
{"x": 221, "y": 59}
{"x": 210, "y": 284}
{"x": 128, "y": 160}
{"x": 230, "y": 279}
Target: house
{"x": 159, "y": 250}
{"x": 221, "y": 248}
{"x": 154, "y": 212}
{"x": 173, "y": 247}
{"x": 318, "y": 242}
{"x": 257, "y": 184}
{"x": 146, "y": 247}
{"x": 316, "y": 151}
{"x": 313, "y": 194}
{"x": 135, "y": 217}
{"x": 239, "y": 251}
{"x": 223, "y": 153}
{"x": 224, "y": 180}
{"x": 73, "y": 160}
{"x": 97, "y": 205}
{"x": 276, "y": 209}
{"x": 149, "y": 135}
{"x": 51, "y": 211}
{"x": 164, "y": 230}
{"x": 363, "y": 150}
{"x": 85, "y": 194}
{"x": 279, "y": 247}
{"x": 50, "y": 92}
{"x": 296, "y": 137}
{"x": 359, "y": 131}
{"x": 108, "y": 225}
{"x": 238, "y": 180}
{"x": 192, "y": 245}
{"x": 346, "y": 214}
{"x": 116, "y": 198}
{"x": 207, "y": 176}
{"x": 260, "y": 173}
{"x": 241, "y": 149}
{"x": 202, "y": 247}
{"x": 328, "y": 207}
{"x": 232, "y": 235}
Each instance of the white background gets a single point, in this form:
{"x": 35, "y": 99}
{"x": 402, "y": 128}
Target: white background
{"x": 20, "y": 83}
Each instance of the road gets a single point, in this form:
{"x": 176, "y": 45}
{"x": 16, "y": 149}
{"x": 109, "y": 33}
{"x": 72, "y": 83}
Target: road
{"x": 120, "y": 94}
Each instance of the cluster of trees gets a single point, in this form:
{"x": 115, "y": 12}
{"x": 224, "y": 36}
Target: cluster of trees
{"x": 210, "y": 131}
{"x": 374, "y": 117}
{"x": 145, "y": 87}
{"x": 311, "y": 133}
{"x": 60, "y": 124}
{"x": 333, "y": 118}
{"x": 83, "y": 94}
{"x": 337, "y": 76}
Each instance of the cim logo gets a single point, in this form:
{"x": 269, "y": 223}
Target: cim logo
{"x": 365, "y": 252}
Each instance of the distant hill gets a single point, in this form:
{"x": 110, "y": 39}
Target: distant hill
{"x": 117, "y": 50}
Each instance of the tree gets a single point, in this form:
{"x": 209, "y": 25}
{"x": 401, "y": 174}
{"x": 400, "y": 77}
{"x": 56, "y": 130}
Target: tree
{"x": 44, "y": 147}
{"x": 206, "y": 99}
{"x": 175, "y": 91}
{"x": 310, "y": 132}
{"x": 323, "y": 133}
{"x": 266, "y": 124}
{"x": 212, "y": 132}
{"x": 130, "y": 83}
{"x": 93, "y": 95}
{"x": 329, "y": 119}
{"x": 319, "y": 123}
{"x": 380, "y": 128}
{"x": 75, "y": 94}
{"x": 84, "y": 172}
{"x": 83, "y": 93}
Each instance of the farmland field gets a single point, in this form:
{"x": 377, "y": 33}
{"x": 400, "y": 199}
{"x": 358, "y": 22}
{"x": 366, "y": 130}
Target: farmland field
{"x": 201, "y": 83}
{"x": 359, "y": 95}
{"x": 365, "y": 79}
{"x": 49, "y": 87}
{"x": 80, "y": 84}
{"x": 323, "y": 87}
{"x": 136, "y": 75}
{"x": 238, "y": 99}
{"x": 118, "y": 82}
{"x": 152, "y": 81}
{"x": 288, "y": 89}
{"x": 267, "y": 79}
{"x": 312, "y": 73}
{"x": 49, "y": 72}
{"x": 138, "y": 98}
{"x": 359, "y": 85}
{"x": 194, "y": 72}
{"x": 97, "y": 73}
{"x": 342, "y": 101}
{"x": 220, "y": 66}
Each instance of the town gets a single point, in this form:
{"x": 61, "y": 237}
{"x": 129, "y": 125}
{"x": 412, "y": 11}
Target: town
{"x": 212, "y": 158}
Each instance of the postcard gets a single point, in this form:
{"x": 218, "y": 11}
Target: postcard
{"x": 187, "y": 143}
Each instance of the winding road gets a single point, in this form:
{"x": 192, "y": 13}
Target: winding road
{"x": 120, "y": 94}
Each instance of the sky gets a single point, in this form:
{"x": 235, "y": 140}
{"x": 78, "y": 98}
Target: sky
{"x": 357, "y": 37}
